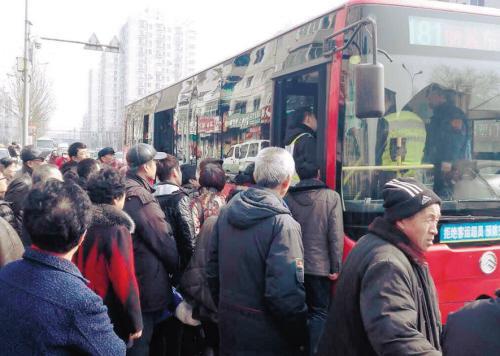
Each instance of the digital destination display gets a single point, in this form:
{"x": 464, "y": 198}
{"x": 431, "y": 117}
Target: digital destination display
{"x": 430, "y": 31}
{"x": 469, "y": 232}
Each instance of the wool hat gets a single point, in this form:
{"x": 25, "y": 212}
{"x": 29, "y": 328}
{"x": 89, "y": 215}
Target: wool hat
{"x": 404, "y": 197}
{"x": 142, "y": 153}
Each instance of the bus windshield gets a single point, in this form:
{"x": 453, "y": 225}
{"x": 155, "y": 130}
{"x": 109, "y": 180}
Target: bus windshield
{"x": 442, "y": 102}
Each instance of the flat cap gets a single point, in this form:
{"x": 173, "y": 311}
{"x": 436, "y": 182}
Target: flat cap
{"x": 142, "y": 153}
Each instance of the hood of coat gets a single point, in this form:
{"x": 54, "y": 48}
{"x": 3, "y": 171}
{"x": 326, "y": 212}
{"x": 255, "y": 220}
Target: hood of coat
{"x": 294, "y": 132}
{"x": 254, "y": 205}
{"x": 108, "y": 215}
{"x": 305, "y": 191}
{"x": 166, "y": 188}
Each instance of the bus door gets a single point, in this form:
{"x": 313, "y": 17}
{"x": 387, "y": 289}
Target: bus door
{"x": 163, "y": 132}
{"x": 305, "y": 88}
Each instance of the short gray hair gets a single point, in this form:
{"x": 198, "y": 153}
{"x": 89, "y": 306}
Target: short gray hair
{"x": 43, "y": 173}
{"x": 273, "y": 166}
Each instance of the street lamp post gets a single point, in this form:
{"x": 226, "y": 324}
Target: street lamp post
{"x": 26, "y": 94}
{"x": 92, "y": 44}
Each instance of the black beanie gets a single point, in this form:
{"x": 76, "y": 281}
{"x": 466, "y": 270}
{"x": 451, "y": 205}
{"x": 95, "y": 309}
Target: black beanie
{"x": 404, "y": 197}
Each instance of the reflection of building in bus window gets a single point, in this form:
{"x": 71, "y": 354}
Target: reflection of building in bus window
{"x": 446, "y": 137}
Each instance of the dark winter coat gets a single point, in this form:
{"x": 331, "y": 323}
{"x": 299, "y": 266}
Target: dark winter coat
{"x": 474, "y": 329}
{"x": 155, "y": 251}
{"x": 255, "y": 271}
{"x": 106, "y": 259}
{"x": 46, "y": 308}
{"x": 16, "y": 194}
{"x": 194, "y": 284}
{"x": 7, "y": 213}
{"x": 305, "y": 146}
{"x": 385, "y": 302}
{"x": 446, "y": 138}
{"x": 11, "y": 247}
{"x": 318, "y": 210}
{"x": 175, "y": 203}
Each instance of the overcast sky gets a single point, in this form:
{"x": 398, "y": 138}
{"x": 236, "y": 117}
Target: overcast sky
{"x": 224, "y": 28}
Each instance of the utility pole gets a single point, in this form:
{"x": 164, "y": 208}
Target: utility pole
{"x": 26, "y": 77}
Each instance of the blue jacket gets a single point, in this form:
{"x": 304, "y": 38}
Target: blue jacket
{"x": 47, "y": 308}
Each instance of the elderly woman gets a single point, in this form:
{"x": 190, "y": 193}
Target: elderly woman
{"x": 106, "y": 257}
{"x": 212, "y": 180}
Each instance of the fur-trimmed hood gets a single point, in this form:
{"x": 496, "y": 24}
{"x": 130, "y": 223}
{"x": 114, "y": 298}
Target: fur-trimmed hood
{"x": 108, "y": 215}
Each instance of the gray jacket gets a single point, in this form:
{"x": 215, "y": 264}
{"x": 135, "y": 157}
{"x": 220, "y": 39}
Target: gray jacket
{"x": 255, "y": 271}
{"x": 318, "y": 210}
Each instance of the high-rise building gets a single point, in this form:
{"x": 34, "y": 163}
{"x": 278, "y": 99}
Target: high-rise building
{"x": 90, "y": 119}
{"x": 153, "y": 53}
{"x": 10, "y": 129}
{"x": 108, "y": 101}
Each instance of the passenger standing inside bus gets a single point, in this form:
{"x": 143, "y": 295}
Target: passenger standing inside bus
{"x": 300, "y": 140}
{"x": 385, "y": 300}
{"x": 446, "y": 140}
{"x": 318, "y": 210}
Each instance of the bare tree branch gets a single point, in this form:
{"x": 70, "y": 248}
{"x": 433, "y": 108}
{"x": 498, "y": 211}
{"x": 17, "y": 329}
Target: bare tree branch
{"x": 42, "y": 103}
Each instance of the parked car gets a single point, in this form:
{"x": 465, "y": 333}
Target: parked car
{"x": 241, "y": 155}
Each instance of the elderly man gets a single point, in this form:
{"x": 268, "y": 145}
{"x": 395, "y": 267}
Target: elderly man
{"x": 256, "y": 266}
{"x": 45, "y": 304}
{"x": 19, "y": 187}
{"x": 385, "y": 302}
{"x": 155, "y": 250}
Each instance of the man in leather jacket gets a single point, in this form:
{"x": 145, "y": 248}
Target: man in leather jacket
{"x": 175, "y": 202}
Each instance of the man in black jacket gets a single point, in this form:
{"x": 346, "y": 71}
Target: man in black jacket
{"x": 385, "y": 302}
{"x": 300, "y": 139}
{"x": 318, "y": 210}
{"x": 20, "y": 186}
{"x": 175, "y": 202}
{"x": 255, "y": 269}
{"x": 473, "y": 330}
{"x": 155, "y": 251}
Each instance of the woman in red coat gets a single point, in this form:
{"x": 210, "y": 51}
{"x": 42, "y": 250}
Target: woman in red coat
{"x": 106, "y": 257}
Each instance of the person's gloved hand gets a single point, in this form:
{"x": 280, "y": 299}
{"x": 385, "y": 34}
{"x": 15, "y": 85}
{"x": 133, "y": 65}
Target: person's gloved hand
{"x": 184, "y": 312}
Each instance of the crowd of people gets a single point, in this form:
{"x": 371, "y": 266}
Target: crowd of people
{"x": 159, "y": 258}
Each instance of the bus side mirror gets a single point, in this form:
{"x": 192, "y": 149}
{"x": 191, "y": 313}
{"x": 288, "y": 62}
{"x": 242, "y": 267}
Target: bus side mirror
{"x": 369, "y": 84}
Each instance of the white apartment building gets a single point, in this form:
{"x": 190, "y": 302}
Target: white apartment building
{"x": 153, "y": 53}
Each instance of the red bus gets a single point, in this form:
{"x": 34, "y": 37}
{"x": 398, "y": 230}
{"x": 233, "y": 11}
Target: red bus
{"x": 422, "y": 46}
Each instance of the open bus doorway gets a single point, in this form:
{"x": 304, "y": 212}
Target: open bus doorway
{"x": 293, "y": 92}
{"x": 163, "y": 131}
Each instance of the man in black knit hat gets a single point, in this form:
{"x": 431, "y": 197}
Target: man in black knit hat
{"x": 385, "y": 301}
